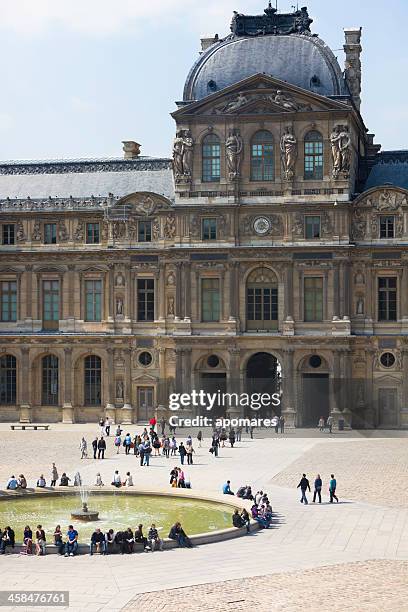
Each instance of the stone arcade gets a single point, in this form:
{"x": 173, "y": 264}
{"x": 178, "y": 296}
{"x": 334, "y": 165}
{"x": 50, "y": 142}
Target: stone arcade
{"x": 269, "y": 253}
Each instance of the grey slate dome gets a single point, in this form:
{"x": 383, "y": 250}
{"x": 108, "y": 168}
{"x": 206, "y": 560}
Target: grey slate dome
{"x": 300, "y": 59}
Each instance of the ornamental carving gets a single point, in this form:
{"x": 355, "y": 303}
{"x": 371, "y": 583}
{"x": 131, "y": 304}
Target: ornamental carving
{"x": 36, "y": 233}
{"x": 170, "y": 227}
{"x": 358, "y": 225}
{"x": 277, "y": 98}
{"x": 289, "y": 149}
{"x": 20, "y": 232}
{"x": 234, "y": 148}
{"x": 156, "y": 229}
{"x": 387, "y": 200}
{"x": 265, "y": 225}
{"x": 327, "y": 224}
{"x": 79, "y": 232}
{"x": 146, "y": 206}
{"x": 183, "y": 148}
{"x": 119, "y": 230}
{"x": 63, "y": 235}
{"x": 340, "y": 143}
{"x": 298, "y": 225}
{"x": 271, "y": 22}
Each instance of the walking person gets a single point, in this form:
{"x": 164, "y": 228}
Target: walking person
{"x": 282, "y": 424}
{"x": 101, "y": 448}
{"x": 117, "y": 442}
{"x": 239, "y": 434}
{"x": 304, "y": 486}
{"x": 182, "y": 452}
{"x": 321, "y": 424}
{"x": 54, "y": 475}
{"x": 329, "y": 423}
{"x": 317, "y": 489}
{"x": 332, "y": 489}
{"x": 231, "y": 437}
{"x": 83, "y": 447}
{"x": 127, "y": 442}
{"x": 190, "y": 450}
{"x": 95, "y": 446}
{"x": 251, "y": 432}
{"x": 200, "y": 438}
{"x": 215, "y": 444}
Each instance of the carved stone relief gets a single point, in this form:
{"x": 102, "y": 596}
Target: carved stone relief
{"x": 36, "y": 233}
{"x": 63, "y": 235}
{"x": 183, "y": 148}
{"x": 266, "y": 225}
{"x": 170, "y": 227}
{"x": 20, "y": 232}
{"x": 288, "y": 147}
{"x": 340, "y": 142}
{"x": 79, "y": 232}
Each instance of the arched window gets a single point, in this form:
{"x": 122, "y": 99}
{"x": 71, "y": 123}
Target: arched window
{"x": 8, "y": 369}
{"x": 49, "y": 380}
{"x": 262, "y": 162}
{"x": 262, "y": 300}
{"x": 93, "y": 378}
{"x": 313, "y": 156}
{"x": 211, "y": 157}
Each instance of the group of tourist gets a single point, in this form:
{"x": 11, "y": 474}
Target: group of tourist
{"x": 104, "y": 543}
{"x": 179, "y": 479}
{"x": 304, "y": 486}
{"x": 261, "y": 509}
{"x": 326, "y": 425}
{"x": 14, "y": 483}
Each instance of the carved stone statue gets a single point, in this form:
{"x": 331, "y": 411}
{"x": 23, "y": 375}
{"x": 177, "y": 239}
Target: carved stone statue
{"x": 340, "y": 142}
{"x": 360, "y": 306}
{"x": 36, "y": 234}
{"x": 288, "y": 147}
{"x": 234, "y": 147}
{"x": 79, "y": 232}
{"x": 170, "y": 279}
{"x": 387, "y": 200}
{"x": 20, "y": 232}
{"x": 119, "y": 306}
{"x": 298, "y": 227}
{"x": 236, "y": 103}
{"x": 183, "y": 147}
{"x": 119, "y": 389}
{"x": 119, "y": 281}
{"x": 170, "y": 306}
{"x": 63, "y": 233}
{"x": 170, "y": 227}
{"x": 281, "y": 100}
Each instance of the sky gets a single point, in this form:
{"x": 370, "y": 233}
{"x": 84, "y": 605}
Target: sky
{"x": 80, "y": 76}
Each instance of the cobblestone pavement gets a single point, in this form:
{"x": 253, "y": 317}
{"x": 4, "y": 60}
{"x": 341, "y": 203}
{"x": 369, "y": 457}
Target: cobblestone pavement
{"x": 374, "y": 471}
{"x": 351, "y": 587}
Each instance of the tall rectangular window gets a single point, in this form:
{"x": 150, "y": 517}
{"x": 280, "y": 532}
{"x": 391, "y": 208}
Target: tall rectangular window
{"x": 312, "y": 227}
{"x": 145, "y": 299}
{"x": 210, "y": 299}
{"x": 387, "y": 225}
{"x": 50, "y": 233}
{"x": 9, "y": 233}
{"x": 209, "y": 229}
{"x": 8, "y": 296}
{"x": 51, "y": 304}
{"x": 92, "y": 233}
{"x": 144, "y": 231}
{"x": 93, "y": 300}
{"x": 313, "y": 298}
{"x": 313, "y": 153}
{"x": 211, "y": 159}
{"x": 387, "y": 299}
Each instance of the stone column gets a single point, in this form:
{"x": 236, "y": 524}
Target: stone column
{"x": 110, "y": 372}
{"x": 288, "y": 384}
{"x": 28, "y": 293}
{"x": 67, "y": 409}
{"x": 179, "y": 369}
{"x": 127, "y": 410}
{"x": 179, "y": 302}
{"x": 288, "y": 297}
{"x": 337, "y": 302}
{"x": 334, "y": 390}
{"x": 404, "y": 292}
{"x": 162, "y": 394}
{"x": 161, "y": 293}
{"x": 25, "y": 384}
{"x": 110, "y": 290}
{"x": 187, "y": 290}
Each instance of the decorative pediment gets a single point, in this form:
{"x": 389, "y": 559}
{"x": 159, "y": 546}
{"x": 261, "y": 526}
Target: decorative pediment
{"x": 383, "y": 199}
{"x": 257, "y": 94}
{"x": 142, "y": 204}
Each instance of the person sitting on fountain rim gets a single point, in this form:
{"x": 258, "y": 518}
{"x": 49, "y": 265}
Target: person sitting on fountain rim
{"x": 140, "y": 538}
{"x": 65, "y": 480}
{"x": 98, "y": 542}
{"x": 237, "y": 520}
{"x": 117, "y": 481}
{"x": 58, "y": 541}
{"x": 177, "y": 533}
{"x": 109, "y": 541}
{"x": 71, "y": 546}
{"x": 155, "y": 542}
{"x": 41, "y": 482}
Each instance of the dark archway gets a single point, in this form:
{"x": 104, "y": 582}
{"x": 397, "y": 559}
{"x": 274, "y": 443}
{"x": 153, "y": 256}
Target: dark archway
{"x": 263, "y": 375}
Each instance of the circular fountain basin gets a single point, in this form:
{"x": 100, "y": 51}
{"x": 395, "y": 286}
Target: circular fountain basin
{"x": 117, "y": 510}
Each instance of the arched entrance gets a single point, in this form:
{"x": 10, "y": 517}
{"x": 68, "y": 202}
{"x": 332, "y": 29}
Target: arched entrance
{"x": 315, "y": 391}
{"x": 263, "y": 375}
{"x": 212, "y": 376}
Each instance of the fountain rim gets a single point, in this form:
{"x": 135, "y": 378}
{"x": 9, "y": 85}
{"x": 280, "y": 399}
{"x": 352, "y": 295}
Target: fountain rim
{"x": 208, "y": 537}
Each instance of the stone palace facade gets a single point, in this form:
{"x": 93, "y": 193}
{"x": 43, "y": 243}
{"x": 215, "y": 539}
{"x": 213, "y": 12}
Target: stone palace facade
{"x": 270, "y": 253}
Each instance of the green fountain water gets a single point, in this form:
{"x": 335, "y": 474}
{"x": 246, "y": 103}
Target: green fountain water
{"x": 116, "y": 511}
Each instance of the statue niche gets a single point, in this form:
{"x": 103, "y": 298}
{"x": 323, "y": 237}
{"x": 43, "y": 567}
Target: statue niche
{"x": 234, "y": 148}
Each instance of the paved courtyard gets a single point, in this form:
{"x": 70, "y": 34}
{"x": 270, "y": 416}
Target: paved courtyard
{"x": 342, "y": 552}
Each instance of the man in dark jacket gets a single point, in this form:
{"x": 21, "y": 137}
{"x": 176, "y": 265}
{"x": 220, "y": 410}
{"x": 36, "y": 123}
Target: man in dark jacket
{"x": 304, "y": 486}
{"x": 8, "y": 539}
{"x": 318, "y": 489}
{"x": 101, "y": 448}
{"x": 182, "y": 452}
{"x": 98, "y": 542}
{"x": 237, "y": 520}
{"x": 95, "y": 446}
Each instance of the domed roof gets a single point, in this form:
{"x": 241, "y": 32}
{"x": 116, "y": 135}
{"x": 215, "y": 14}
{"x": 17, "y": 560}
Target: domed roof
{"x": 301, "y": 59}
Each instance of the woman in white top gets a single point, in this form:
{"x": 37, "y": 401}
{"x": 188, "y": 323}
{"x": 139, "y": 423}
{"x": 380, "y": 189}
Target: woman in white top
{"x": 128, "y": 480}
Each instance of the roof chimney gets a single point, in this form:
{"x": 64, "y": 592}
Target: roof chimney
{"x": 131, "y": 149}
{"x": 207, "y": 42}
{"x": 352, "y": 49}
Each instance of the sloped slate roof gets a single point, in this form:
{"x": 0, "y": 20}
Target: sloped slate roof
{"x": 83, "y": 178}
{"x": 391, "y": 168}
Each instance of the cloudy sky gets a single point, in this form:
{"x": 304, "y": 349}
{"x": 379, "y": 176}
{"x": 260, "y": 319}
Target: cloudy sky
{"x": 80, "y": 76}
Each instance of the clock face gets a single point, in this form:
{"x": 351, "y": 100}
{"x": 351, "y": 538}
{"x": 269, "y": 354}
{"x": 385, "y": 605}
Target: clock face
{"x": 262, "y": 225}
